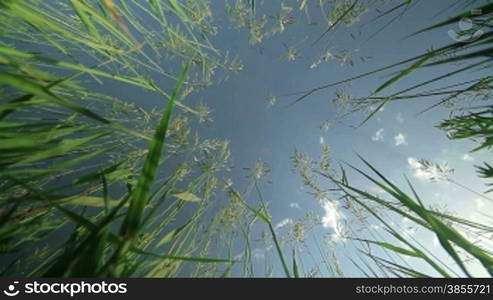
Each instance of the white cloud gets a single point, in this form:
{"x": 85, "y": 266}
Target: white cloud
{"x": 322, "y": 141}
{"x": 467, "y": 157}
{"x": 431, "y": 172}
{"x": 436, "y": 242}
{"x": 332, "y": 219}
{"x": 284, "y": 223}
{"x": 408, "y": 226}
{"x": 378, "y": 135}
{"x": 400, "y": 139}
{"x": 479, "y": 203}
{"x": 399, "y": 118}
{"x": 294, "y": 205}
{"x": 375, "y": 227}
{"x": 373, "y": 108}
{"x": 375, "y": 189}
{"x": 417, "y": 168}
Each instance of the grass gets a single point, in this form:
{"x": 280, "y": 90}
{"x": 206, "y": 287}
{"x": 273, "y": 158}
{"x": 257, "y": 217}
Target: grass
{"x": 67, "y": 168}
{"x": 94, "y": 185}
{"x": 75, "y": 163}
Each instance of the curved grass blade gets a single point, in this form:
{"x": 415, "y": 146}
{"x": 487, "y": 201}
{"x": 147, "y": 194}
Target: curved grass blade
{"x": 485, "y": 10}
{"x": 140, "y": 195}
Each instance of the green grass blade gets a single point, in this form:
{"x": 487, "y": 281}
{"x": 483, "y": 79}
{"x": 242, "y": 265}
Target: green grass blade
{"x": 140, "y": 195}
{"x": 296, "y": 271}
